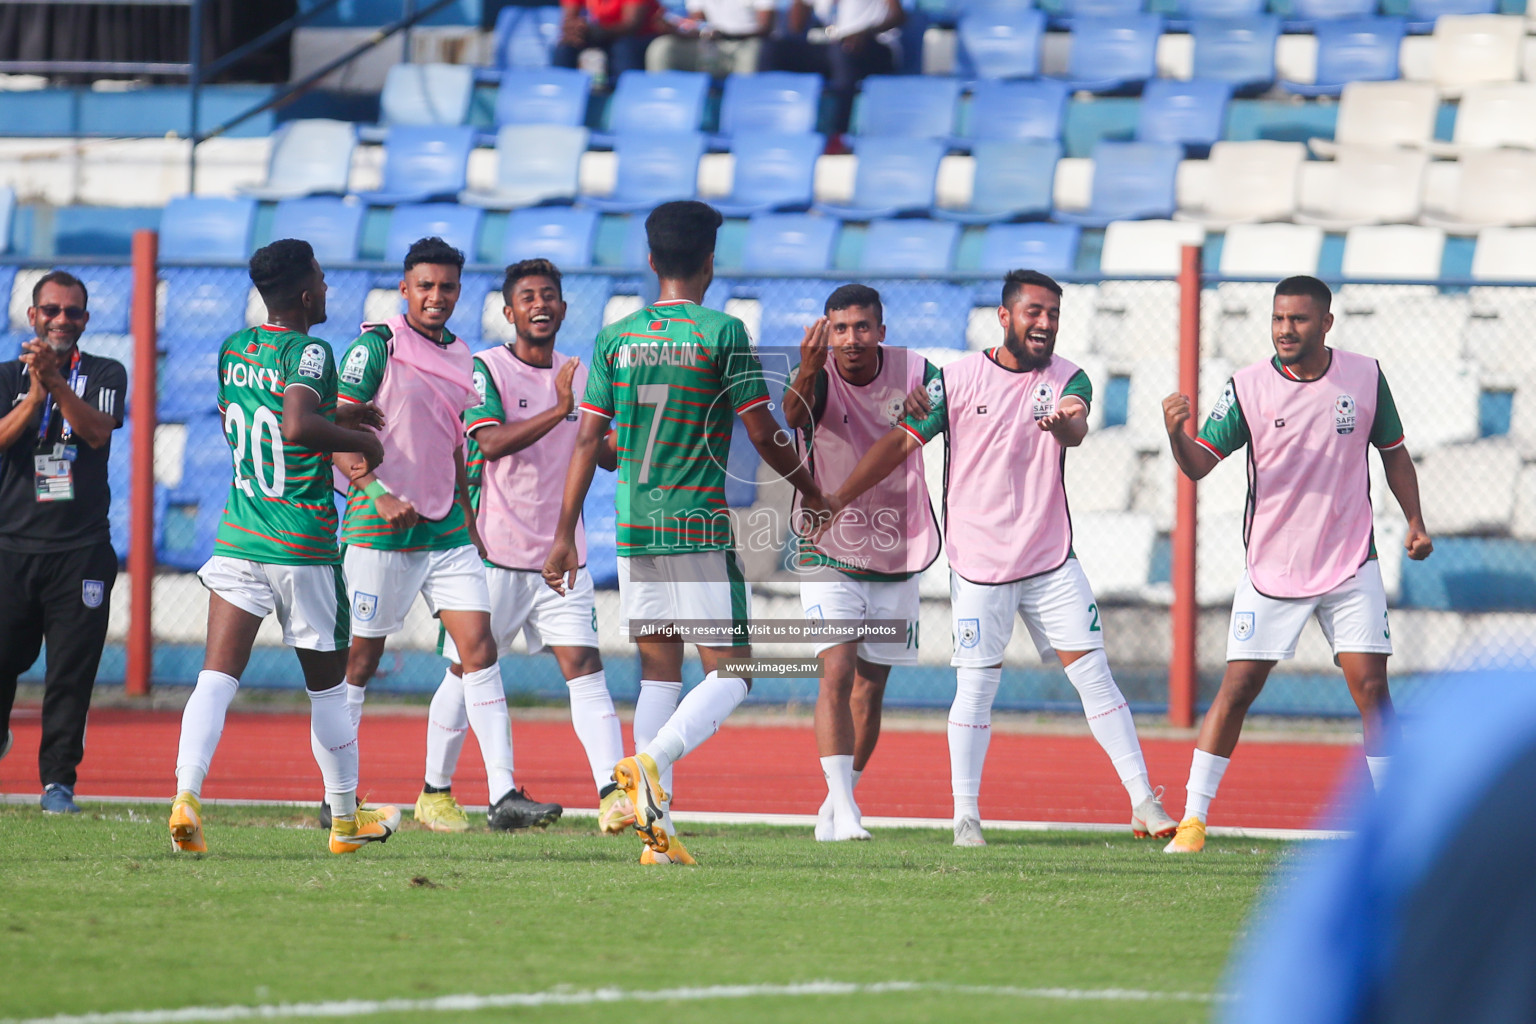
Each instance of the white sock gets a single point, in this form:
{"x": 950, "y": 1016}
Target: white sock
{"x": 858, "y": 773}
{"x": 1378, "y": 767}
{"x": 596, "y": 724}
{"x": 485, "y": 701}
{"x": 447, "y": 722}
{"x": 1110, "y": 720}
{"x": 970, "y": 733}
{"x": 1205, "y": 772}
{"x": 202, "y": 723}
{"x": 697, "y": 718}
{"x": 333, "y": 738}
{"x": 355, "y": 696}
{"x": 658, "y": 699}
{"x": 838, "y": 771}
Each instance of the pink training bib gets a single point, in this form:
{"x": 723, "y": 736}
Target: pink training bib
{"x": 424, "y": 392}
{"x": 520, "y": 493}
{"x": 1005, "y": 499}
{"x": 1308, "y": 527}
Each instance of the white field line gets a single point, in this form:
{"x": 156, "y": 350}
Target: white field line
{"x": 568, "y": 997}
{"x": 794, "y": 820}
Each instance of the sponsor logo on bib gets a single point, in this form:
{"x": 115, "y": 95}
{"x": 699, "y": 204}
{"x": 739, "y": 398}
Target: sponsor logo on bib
{"x": 1242, "y": 625}
{"x": 1224, "y": 403}
{"x": 480, "y": 386}
{"x": 1044, "y": 400}
{"x": 364, "y": 605}
{"x": 357, "y": 362}
{"x": 970, "y": 632}
{"x": 892, "y": 411}
{"x": 92, "y": 592}
{"x": 1344, "y": 414}
{"x": 935, "y": 389}
{"x": 312, "y": 362}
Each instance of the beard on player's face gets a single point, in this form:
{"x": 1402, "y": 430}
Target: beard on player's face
{"x": 1031, "y": 347}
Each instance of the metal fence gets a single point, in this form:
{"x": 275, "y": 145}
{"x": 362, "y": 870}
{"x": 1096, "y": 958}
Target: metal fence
{"x": 1459, "y": 360}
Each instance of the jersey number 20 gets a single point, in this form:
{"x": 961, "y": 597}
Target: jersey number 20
{"x": 263, "y": 422}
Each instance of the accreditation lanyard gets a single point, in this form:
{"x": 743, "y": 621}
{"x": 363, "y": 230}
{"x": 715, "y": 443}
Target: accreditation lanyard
{"x": 53, "y": 465}
{"x": 48, "y": 404}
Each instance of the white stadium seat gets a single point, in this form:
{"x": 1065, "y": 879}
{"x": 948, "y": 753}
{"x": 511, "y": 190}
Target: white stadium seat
{"x": 1470, "y": 488}
{"x": 1115, "y": 549}
{"x": 1495, "y": 188}
{"x": 1491, "y": 115}
{"x": 1476, "y": 48}
{"x": 1370, "y": 185}
{"x": 1382, "y": 114}
{"x": 1249, "y": 181}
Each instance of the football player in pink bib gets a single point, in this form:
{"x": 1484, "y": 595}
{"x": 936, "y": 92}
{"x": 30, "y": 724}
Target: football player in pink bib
{"x": 1010, "y": 413}
{"x": 1308, "y": 415}
{"x": 868, "y": 565}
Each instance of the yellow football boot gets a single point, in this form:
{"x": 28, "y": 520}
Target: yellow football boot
{"x": 640, "y": 781}
{"x": 1190, "y": 838}
{"x": 615, "y": 813}
{"x": 440, "y": 812}
{"x": 187, "y": 824}
{"x": 371, "y": 825}
{"x": 674, "y": 854}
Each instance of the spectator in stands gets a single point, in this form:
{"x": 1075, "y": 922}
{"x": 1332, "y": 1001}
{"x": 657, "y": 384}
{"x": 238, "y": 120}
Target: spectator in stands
{"x": 57, "y": 564}
{"x": 622, "y": 29}
{"x": 722, "y": 37}
{"x": 853, "y": 48}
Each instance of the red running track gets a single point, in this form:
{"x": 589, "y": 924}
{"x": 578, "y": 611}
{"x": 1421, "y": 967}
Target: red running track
{"x": 748, "y": 768}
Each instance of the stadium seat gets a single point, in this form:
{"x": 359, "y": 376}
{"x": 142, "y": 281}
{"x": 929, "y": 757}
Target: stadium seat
{"x": 1014, "y": 112}
{"x": 1423, "y": 14}
{"x": 909, "y": 246}
{"x": 907, "y": 106}
{"x": 1048, "y": 248}
{"x": 211, "y": 230}
{"x": 309, "y": 157}
{"x": 1492, "y": 115}
{"x": 1186, "y": 12}
{"x": 1238, "y": 51}
{"x": 543, "y": 96}
{"x": 524, "y": 37}
{"x": 1312, "y": 15}
{"x": 783, "y": 102}
{"x": 100, "y": 230}
{"x": 789, "y": 242}
{"x": 423, "y": 162}
{"x": 346, "y": 299}
{"x": 1116, "y": 547}
{"x": 1495, "y": 188}
{"x": 1471, "y": 49}
{"x": 924, "y": 314}
{"x": 655, "y": 101}
{"x": 893, "y": 176}
{"x": 999, "y": 39}
{"x": 599, "y": 520}
{"x": 1382, "y": 114}
{"x": 794, "y": 305}
{"x": 7, "y": 211}
{"x": 1133, "y": 248}
{"x": 1013, "y": 181}
{"x": 197, "y": 505}
{"x": 1270, "y": 250}
{"x": 426, "y": 94}
{"x": 771, "y": 172}
{"x": 1191, "y": 113}
{"x": 653, "y": 167}
{"x": 1356, "y": 50}
{"x": 564, "y": 235}
{"x": 331, "y": 225}
{"x": 535, "y": 163}
{"x": 1067, "y": 12}
{"x": 1504, "y": 254}
{"x": 1250, "y": 181}
{"x": 1131, "y": 181}
{"x": 111, "y": 296}
{"x": 1480, "y": 477}
{"x": 1393, "y": 251}
{"x": 203, "y": 307}
{"x": 457, "y": 225}
{"x": 1109, "y": 54}
{"x": 1370, "y": 185}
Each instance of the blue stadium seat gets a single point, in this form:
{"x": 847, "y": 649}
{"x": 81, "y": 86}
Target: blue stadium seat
{"x": 309, "y": 157}
{"x": 653, "y": 167}
{"x": 525, "y": 37}
{"x": 893, "y": 176}
{"x": 564, "y": 235}
{"x": 1048, "y": 248}
{"x": 999, "y": 39}
{"x": 741, "y": 468}
{"x": 1131, "y": 181}
{"x": 1185, "y": 12}
{"x": 423, "y": 162}
{"x": 655, "y": 101}
{"x": 788, "y": 308}
{"x": 467, "y": 322}
{"x": 1013, "y": 181}
{"x": 543, "y": 96}
{"x": 426, "y": 94}
{"x": 211, "y": 230}
{"x": 790, "y": 242}
{"x": 368, "y": 13}
{"x": 1238, "y": 51}
{"x": 1014, "y": 112}
{"x": 1190, "y": 113}
{"x": 331, "y": 225}
{"x": 586, "y": 297}
{"x": 770, "y": 101}
{"x": 1112, "y": 54}
{"x": 1068, "y": 11}
{"x": 1422, "y": 14}
{"x": 195, "y": 508}
{"x": 119, "y": 480}
{"x": 7, "y": 211}
{"x": 100, "y": 230}
{"x": 346, "y": 296}
{"x": 110, "y": 296}
{"x": 535, "y": 163}
{"x": 1353, "y": 50}
{"x": 925, "y": 314}
{"x": 910, "y": 246}
{"x": 1307, "y": 15}
{"x": 599, "y": 521}
{"x": 907, "y": 106}
{"x": 457, "y": 225}
{"x": 772, "y": 172}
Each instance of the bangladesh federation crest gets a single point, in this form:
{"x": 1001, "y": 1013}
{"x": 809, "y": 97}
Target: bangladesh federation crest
{"x": 92, "y": 593}
{"x": 970, "y": 632}
{"x": 364, "y": 605}
{"x": 1242, "y": 625}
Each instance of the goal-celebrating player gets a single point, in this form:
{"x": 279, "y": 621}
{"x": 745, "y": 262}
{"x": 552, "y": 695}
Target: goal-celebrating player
{"x": 408, "y": 527}
{"x": 670, "y": 377}
{"x": 521, "y": 434}
{"x": 1010, "y": 412}
{"x": 276, "y": 545}
{"x": 1308, "y": 415}
{"x": 866, "y": 566}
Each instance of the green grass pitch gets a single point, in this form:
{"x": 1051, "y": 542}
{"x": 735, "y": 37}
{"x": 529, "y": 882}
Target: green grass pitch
{"x": 98, "y": 916}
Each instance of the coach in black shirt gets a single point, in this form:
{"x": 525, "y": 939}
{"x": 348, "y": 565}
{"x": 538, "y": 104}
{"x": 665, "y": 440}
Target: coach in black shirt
{"x": 57, "y": 565}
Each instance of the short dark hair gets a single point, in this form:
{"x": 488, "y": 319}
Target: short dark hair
{"x": 282, "y": 270}
{"x": 435, "y": 251}
{"x": 1016, "y": 281}
{"x": 530, "y": 268}
{"x": 850, "y": 295}
{"x": 64, "y": 279}
{"x": 681, "y": 236}
{"x": 1311, "y": 287}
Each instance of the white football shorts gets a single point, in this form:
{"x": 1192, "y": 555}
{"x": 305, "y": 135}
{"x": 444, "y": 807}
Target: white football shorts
{"x": 310, "y": 600}
{"x": 382, "y": 585}
{"x": 1058, "y": 609}
{"x": 1353, "y": 616}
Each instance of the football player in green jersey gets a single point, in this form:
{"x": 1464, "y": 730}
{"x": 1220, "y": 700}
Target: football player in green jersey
{"x": 276, "y": 546}
{"x": 672, "y": 377}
